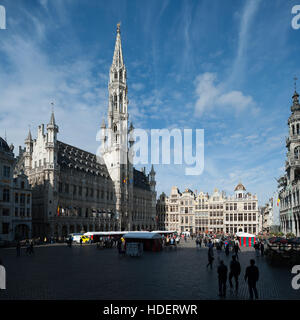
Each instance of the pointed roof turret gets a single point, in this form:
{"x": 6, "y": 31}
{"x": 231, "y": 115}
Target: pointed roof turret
{"x": 296, "y": 105}
{"x": 152, "y": 172}
{"x": 29, "y": 137}
{"x": 103, "y": 125}
{"x": 52, "y": 119}
{"x": 118, "y": 56}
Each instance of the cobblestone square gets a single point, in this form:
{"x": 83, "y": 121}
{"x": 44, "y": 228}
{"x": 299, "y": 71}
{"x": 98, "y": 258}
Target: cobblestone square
{"x": 59, "y": 272}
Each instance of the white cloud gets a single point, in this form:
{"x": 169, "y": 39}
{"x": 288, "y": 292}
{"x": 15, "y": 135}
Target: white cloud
{"x": 137, "y": 86}
{"x": 211, "y": 96}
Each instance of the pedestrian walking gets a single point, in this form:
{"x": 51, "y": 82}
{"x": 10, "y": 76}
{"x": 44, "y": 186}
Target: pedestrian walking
{"x": 262, "y": 249}
{"x": 197, "y": 243}
{"x": 31, "y": 251}
{"x": 252, "y": 275}
{"x": 256, "y": 247}
{"x": 210, "y": 258}
{"x": 235, "y": 270}
{"x": 236, "y": 249}
{"x": 227, "y": 249}
{"x": 219, "y": 249}
{"x": 200, "y": 242}
{"x": 18, "y": 247}
{"x": 222, "y": 277}
{"x": 80, "y": 241}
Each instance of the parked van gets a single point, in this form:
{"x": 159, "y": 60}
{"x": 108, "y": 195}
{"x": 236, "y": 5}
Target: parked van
{"x": 76, "y": 237}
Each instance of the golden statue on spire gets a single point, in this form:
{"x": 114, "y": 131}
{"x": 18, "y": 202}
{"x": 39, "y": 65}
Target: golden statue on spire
{"x": 118, "y": 27}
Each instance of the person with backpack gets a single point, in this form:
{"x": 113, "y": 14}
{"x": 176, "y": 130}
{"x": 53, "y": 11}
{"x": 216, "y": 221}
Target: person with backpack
{"x": 235, "y": 270}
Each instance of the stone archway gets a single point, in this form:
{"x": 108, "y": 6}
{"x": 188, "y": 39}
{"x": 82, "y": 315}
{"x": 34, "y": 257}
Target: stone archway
{"x": 22, "y": 231}
{"x": 72, "y": 228}
{"x": 64, "y": 231}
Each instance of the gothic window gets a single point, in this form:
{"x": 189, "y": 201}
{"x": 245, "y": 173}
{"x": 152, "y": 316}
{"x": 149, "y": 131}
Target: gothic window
{"x": 115, "y": 102}
{"x": 297, "y": 152}
{"x": 116, "y": 75}
{"x": 293, "y": 129}
{"x": 297, "y": 128}
{"x": 121, "y": 102}
{"x": 115, "y": 128}
{"x": 120, "y": 75}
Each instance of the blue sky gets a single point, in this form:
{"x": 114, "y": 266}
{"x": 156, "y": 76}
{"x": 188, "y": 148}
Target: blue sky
{"x": 223, "y": 66}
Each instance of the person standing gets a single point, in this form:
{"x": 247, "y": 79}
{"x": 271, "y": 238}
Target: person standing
{"x": 262, "y": 249}
{"x": 31, "y": 251}
{"x": 222, "y": 277}
{"x": 236, "y": 250}
{"x": 252, "y": 275}
{"x": 227, "y": 249}
{"x": 197, "y": 242}
{"x": 235, "y": 270}
{"x": 256, "y": 247}
{"x": 2, "y": 276}
{"x": 18, "y": 247}
{"x": 210, "y": 257}
{"x": 200, "y": 242}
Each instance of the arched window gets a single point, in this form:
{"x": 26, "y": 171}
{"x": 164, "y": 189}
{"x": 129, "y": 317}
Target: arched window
{"x": 121, "y": 102}
{"x": 120, "y": 75}
{"x": 115, "y": 128}
{"x": 117, "y": 138}
{"x": 116, "y": 75}
{"x": 297, "y": 128}
{"x": 293, "y": 129}
{"x": 115, "y": 102}
{"x": 297, "y": 152}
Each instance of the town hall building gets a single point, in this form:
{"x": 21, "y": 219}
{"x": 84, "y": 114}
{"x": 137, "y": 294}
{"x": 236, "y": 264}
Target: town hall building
{"x": 74, "y": 190}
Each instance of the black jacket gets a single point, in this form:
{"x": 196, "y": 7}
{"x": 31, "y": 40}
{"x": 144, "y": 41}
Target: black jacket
{"x": 235, "y": 267}
{"x": 252, "y": 274}
{"x": 222, "y": 272}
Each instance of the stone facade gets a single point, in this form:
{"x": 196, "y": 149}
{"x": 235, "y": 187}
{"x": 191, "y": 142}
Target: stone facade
{"x": 218, "y": 213}
{"x": 75, "y": 190}
{"x": 15, "y": 198}
{"x": 289, "y": 184}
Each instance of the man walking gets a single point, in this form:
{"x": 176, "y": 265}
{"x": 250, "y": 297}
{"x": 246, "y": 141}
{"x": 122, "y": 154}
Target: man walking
{"x": 222, "y": 275}
{"x": 235, "y": 270}
{"x": 252, "y": 274}
{"x": 236, "y": 250}
{"x": 210, "y": 257}
{"x": 262, "y": 249}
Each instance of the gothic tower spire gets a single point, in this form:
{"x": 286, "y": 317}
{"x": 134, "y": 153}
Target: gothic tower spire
{"x": 115, "y": 134}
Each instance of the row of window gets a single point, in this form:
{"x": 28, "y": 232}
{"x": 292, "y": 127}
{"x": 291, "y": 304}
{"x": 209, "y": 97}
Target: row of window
{"x": 241, "y": 217}
{"x": 89, "y": 192}
{"x": 19, "y": 212}
{"x": 18, "y": 197}
{"x": 6, "y": 172}
{"x": 22, "y": 197}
